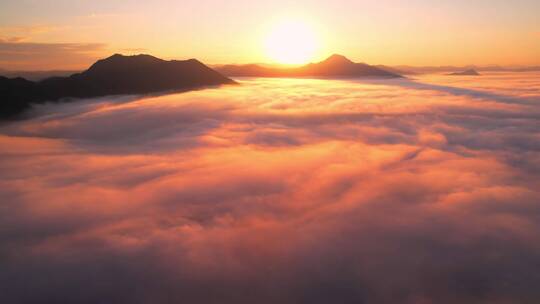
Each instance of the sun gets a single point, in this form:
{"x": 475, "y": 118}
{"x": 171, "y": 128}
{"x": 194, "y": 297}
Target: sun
{"x": 291, "y": 42}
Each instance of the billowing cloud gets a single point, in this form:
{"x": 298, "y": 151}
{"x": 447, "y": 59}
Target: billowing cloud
{"x": 278, "y": 191}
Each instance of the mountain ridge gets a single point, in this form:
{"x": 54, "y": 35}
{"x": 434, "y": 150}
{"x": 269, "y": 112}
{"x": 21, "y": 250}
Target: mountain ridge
{"x": 114, "y": 75}
{"x": 334, "y": 66}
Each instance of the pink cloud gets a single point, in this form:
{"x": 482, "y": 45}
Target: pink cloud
{"x": 393, "y": 193}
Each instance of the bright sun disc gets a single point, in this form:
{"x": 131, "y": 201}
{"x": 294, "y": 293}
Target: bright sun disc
{"x": 291, "y": 42}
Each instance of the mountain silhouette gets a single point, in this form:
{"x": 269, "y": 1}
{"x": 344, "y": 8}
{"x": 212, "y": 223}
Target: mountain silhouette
{"x": 336, "y": 60}
{"x": 335, "y": 66}
{"x": 115, "y": 75}
{"x": 469, "y": 72}
{"x": 36, "y": 75}
{"x": 16, "y": 94}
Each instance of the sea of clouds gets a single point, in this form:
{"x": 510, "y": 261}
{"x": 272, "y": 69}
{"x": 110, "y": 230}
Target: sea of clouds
{"x": 278, "y": 191}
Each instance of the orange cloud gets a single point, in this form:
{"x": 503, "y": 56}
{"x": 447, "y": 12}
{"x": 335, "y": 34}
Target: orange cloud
{"x": 278, "y": 191}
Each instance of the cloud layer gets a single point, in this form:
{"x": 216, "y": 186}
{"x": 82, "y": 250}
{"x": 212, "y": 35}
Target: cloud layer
{"x": 278, "y": 191}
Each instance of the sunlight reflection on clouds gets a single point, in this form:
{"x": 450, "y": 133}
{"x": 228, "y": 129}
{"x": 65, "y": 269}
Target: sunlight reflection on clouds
{"x": 278, "y": 191}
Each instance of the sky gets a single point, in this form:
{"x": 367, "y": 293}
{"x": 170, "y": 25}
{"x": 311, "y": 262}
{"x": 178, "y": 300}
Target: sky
{"x": 44, "y": 34}
{"x": 286, "y": 191}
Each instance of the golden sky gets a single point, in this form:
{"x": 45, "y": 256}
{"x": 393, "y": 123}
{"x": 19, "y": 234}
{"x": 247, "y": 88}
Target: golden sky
{"x": 72, "y": 34}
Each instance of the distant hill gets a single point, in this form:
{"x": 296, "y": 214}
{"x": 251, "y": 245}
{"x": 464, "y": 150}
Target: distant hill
{"x": 36, "y": 75}
{"x": 335, "y": 66}
{"x": 469, "y": 72}
{"x": 16, "y": 94}
{"x": 411, "y": 70}
{"x": 115, "y": 75}
{"x": 395, "y": 70}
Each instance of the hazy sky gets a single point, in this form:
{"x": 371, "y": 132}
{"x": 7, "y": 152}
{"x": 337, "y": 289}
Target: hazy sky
{"x": 43, "y": 34}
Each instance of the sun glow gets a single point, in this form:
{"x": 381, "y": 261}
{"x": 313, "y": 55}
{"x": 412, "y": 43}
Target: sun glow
{"x": 291, "y": 42}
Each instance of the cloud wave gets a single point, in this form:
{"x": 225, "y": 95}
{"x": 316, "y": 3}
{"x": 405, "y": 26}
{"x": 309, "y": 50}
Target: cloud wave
{"x": 276, "y": 191}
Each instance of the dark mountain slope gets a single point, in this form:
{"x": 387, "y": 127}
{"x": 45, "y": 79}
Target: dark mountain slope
{"x": 115, "y": 75}
{"x": 16, "y": 94}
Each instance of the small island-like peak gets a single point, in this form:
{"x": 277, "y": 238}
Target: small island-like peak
{"x": 337, "y": 59}
{"x": 469, "y": 72}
